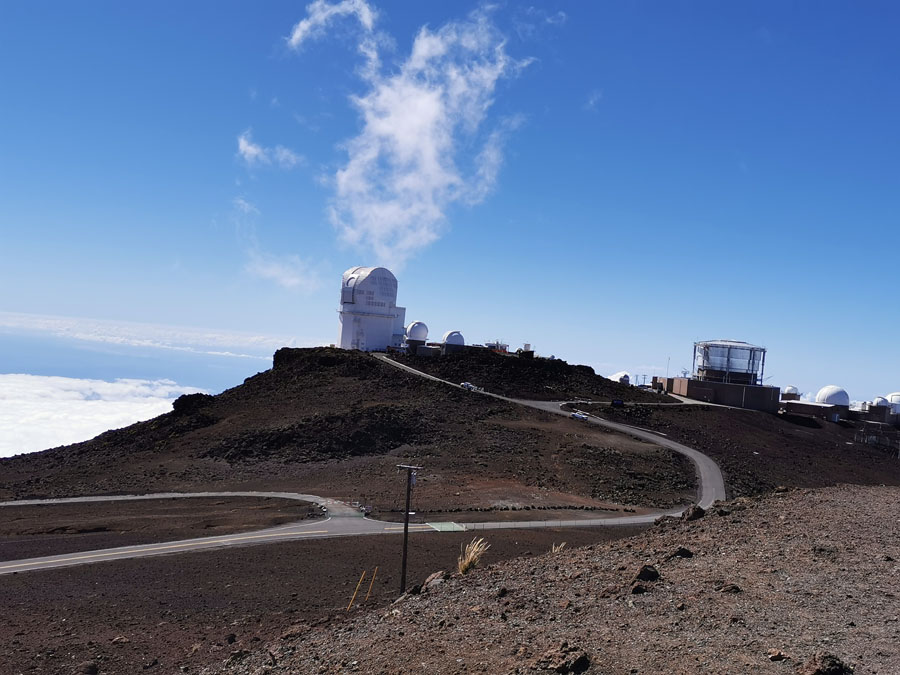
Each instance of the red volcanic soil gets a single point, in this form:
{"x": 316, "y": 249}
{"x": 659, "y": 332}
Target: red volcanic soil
{"x": 798, "y": 582}
{"x": 173, "y": 614}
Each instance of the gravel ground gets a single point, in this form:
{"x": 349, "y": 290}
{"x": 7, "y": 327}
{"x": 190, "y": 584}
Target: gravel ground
{"x": 50, "y": 529}
{"x": 764, "y": 585}
{"x": 178, "y": 613}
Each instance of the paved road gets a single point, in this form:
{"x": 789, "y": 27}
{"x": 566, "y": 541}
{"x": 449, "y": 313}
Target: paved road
{"x": 711, "y": 484}
{"x": 343, "y": 520}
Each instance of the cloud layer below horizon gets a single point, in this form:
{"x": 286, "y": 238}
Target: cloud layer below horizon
{"x": 40, "y": 412}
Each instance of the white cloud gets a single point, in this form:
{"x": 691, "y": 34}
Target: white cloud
{"x": 178, "y": 338}
{"x": 286, "y": 158}
{"x": 593, "y": 99}
{"x": 244, "y": 206}
{"x": 255, "y": 155}
{"x": 419, "y": 121}
{"x": 38, "y": 412}
{"x": 320, "y": 13}
{"x": 289, "y": 271}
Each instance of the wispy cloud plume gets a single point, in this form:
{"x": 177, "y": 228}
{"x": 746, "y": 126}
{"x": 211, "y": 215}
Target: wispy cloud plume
{"x": 419, "y": 122}
{"x": 255, "y": 155}
{"x": 39, "y": 412}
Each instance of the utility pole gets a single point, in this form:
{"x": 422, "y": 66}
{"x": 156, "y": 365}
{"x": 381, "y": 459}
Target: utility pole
{"x": 410, "y": 479}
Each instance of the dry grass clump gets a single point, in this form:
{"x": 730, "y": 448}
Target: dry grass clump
{"x": 556, "y": 548}
{"x": 471, "y": 555}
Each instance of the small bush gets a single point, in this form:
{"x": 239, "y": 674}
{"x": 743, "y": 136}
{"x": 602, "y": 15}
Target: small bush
{"x": 471, "y": 555}
{"x": 556, "y": 548}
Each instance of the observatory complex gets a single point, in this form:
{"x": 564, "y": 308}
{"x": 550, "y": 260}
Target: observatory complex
{"x": 726, "y": 372}
{"x": 371, "y": 321}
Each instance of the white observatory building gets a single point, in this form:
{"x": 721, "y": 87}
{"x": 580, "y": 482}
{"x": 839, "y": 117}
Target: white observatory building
{"x": 370, "y": 318}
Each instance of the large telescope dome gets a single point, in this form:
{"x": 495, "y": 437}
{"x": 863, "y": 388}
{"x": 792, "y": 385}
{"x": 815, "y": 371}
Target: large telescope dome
{"x": 833, "y": 395}
{"x": 417, "y": 330}
{"x": 453, "y": 337}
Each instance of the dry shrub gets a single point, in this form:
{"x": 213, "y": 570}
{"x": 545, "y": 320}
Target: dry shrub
{"x": 471, "y": 555}
{"x": 556, "y": 548}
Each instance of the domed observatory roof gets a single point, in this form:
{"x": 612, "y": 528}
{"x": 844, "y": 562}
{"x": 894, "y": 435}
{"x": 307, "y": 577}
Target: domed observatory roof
{"x": 791, "y": 389}
{"x": 622, "y": 377}
{"x": 453, "y": 337}
{"x": 833, "y": 395}
{"x": 894, "y": 398}
{"x": 880, "y": 402}
{"x": 417, "y": 330}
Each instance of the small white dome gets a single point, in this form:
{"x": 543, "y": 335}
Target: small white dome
{"x": 453, "y": 337}
{"x": 833, "y": 395}
{"x": 881, "y": 401}
{"x": 790, "y": 389}
{"x": 894, "y": 398}
{"x": 417, "y": 330}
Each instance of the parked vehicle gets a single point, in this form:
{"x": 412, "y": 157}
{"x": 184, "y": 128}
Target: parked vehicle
{"x": 578, "y": 416}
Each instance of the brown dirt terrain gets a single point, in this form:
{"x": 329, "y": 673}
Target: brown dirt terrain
{"x": 531, "y": 379}
{"x": 798, "y": 582}
{"x": 39, "y": 530}
{"x": 760, "y": 451}
{"x": 178, "y": 613}
{"x": 336, "y": 423}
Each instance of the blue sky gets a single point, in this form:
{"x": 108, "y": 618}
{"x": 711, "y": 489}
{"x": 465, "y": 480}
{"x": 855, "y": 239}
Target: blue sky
{"x": 608, "y": 181}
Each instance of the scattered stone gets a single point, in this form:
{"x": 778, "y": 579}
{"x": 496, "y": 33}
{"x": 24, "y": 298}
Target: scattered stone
{"x": 693, "y": 513}
{"x": 730, "y": 588}
{"x": 647, "y": 573}
{"x": 638, "y": 589}
{"x": 87, "y": 668}
{"x": 230, "y": 638}
{"x": 563, "y": 659}
{"x": 822, "y": 663}
{"x": 502, "y": 592}
{"x": 680, "y": 606}
{"x": 120, "y": 640}
{"x": 682, "y": 552}
{"x": 777, "y": 655}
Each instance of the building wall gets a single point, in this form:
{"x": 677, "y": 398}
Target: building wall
{"x": 721, "y": 393}
{"x": 369, "y": 317}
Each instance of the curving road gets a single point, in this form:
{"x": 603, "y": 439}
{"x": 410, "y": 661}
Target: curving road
{"x": 344, "y": 521}
{"x": 710, "y": 483}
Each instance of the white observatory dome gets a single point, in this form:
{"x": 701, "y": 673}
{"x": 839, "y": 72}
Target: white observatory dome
{"x": 622, "y": 377}
{"x": 453, "y": 337}
{"x": 417, "y": 330}
{"x": 894, "y": 398}
{"x": 881, "y": 402}
{"x": 791, "y": 389}
{"x": 833, "y": 395}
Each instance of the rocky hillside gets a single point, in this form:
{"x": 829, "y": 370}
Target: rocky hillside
{"x": 338, "y": 422}
{"x": 794, "y": 582}
{"x": 535, "y": 379}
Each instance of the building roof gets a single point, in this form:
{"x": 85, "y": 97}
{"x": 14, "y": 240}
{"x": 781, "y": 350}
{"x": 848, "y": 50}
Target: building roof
{"x": 727, "y": 343}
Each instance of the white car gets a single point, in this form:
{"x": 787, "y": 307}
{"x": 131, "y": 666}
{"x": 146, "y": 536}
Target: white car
{"x": 578, "y": 416}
